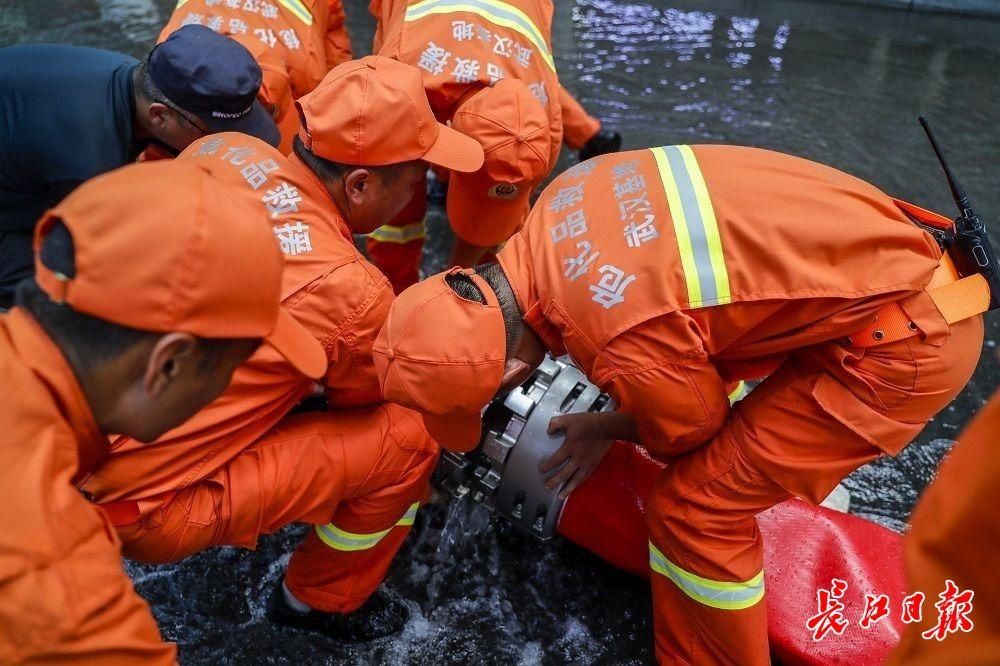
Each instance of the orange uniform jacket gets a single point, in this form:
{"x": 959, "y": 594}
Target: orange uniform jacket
{"x": 667, "y": 272}
{"x": 63, "y": 594}
{"x": 327, "y": 285}
{"x": 304, "y": 38}
{"x": 955, "y": 535}
{"x": 459, "y": 50}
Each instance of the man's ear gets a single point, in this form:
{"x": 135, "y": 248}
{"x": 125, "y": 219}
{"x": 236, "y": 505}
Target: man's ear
{"x": 357, "y": 186}
{"x": 159, "y": 114}
{"x": 166, "y": 361}
{"x": 515, "y": 372}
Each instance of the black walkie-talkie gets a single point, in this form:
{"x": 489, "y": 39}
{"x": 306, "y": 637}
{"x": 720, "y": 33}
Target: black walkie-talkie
{"x": 971, "y": 250}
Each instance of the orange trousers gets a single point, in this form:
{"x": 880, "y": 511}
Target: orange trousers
{"x": 825, "y": 412}
{"x": 955, "y": 535}
{"x": 356, "y": 475}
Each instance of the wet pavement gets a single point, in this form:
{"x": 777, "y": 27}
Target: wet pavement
{"x": 838, "y": 84}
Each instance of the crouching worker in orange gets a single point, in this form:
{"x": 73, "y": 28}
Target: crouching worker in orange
{"x": 295, "y": 42}
{"x": 583, "y": 132}
{"x": 488, "y": 70}
{"x": 109, "y": 339}
{"x": 665, "y": 273}
{"x": 357, "y": 472}
{"x": 955, "y": 536}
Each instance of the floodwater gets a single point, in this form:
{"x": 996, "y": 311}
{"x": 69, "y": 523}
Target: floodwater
{"x": 835, "y": 83}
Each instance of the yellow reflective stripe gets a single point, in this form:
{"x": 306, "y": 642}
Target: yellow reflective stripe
{"x": 695, "y": 226}
{"x": 717, "y": 594}
{"x": 300, "y": 10}
{"x": 406, "y": 234}
{"x": 680, "y": 226}
{"x": 180, "y": 3}
{"x": 409, "y": 516}
{"x": 738, "y": 392}
{"x": 495, "y": 11}
{"x": 339, "y": 539}
{"x": 713, "y": 239}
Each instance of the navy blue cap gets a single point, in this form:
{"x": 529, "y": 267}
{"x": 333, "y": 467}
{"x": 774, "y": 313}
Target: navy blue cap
{"x": 214, "y": 78}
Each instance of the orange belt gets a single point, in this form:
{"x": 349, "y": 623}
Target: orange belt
{"x": 956, "y": 297}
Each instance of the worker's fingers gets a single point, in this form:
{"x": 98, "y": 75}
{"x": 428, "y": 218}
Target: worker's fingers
{"x": 563, "y": 475}
{"x": 556, "y": 423}
{"x": 562, "y": 453}
{"x": 581, "y": 475}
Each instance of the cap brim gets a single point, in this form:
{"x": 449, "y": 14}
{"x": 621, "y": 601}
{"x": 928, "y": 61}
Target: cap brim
{"x": 258, "y": 123}
{"x": 455, "y": 433}
{"x": 456, "y": 151}
{"x": 291, "y": 339}
{"x": 480, "y": 219}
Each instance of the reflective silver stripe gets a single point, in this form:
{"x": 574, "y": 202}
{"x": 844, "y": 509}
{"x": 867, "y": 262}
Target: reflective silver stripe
{"x": 695, "y": 226}
{"x": 340, "y": 539}
{"x": 401, "y": 235}
{"x": 717, "y": 594}
{"x": 739, "y": 392}
{"x": 300, "y": 10}
{"x": 410, "y": 515}
{"x": 495, "y": 11}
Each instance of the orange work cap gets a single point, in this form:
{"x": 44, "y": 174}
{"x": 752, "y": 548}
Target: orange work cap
{"x": 163, "y": 246}
{"x": 444, "y": 356}
{"x": 374, "y": 112}
{"x": 485, "y": 208}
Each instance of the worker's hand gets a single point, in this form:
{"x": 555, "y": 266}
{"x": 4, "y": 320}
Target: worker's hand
{"x": 583, "y": 450}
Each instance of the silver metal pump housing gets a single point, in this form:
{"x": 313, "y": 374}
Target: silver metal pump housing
{"x": 502, "y": 472}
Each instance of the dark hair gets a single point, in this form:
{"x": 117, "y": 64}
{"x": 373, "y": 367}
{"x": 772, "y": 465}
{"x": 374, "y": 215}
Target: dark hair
{"x": 327, "y": 170}
{"x": 88, "y": 341}
{"x": 144, "y": 85}
{"x": 462, "y": 285}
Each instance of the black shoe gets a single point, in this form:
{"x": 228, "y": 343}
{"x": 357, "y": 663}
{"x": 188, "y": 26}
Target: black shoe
{"x": 380, "y": 616}
{"x": 603, "y": 142}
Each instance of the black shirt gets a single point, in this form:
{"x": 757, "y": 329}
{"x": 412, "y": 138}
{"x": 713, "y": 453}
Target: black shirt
{"x": 66, "y": 115}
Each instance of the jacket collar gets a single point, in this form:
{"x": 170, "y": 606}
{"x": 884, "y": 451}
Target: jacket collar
{"x": 43, "y": 357}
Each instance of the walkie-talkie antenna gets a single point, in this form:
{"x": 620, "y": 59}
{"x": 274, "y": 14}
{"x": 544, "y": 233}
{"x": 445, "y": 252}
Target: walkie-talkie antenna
{"x": 970, "y": 247}
{"x": 964, "y": 207}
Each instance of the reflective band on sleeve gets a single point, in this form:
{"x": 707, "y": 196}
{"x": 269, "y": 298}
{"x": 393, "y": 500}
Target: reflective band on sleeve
{"x": 695, "y": 226}
{"x": 725, "y": 596}
{"x": 739, "y": 392}
{"x": 300, "y": 10}
{"x": 401, "y": 235}
{"x": 339, "y": 539}
{"x": 495, "y": 11}
{"x": 180, "y": 3}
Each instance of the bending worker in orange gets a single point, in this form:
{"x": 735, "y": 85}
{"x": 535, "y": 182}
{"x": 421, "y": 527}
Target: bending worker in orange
{"x": 955, "y": 536}
{"x": 106, "y": 339}
{"x": 295, "y": 42}
{"x": 488, "y": 70}
{"x": 665, "y": 273}
{"x": 357, "y": 472}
